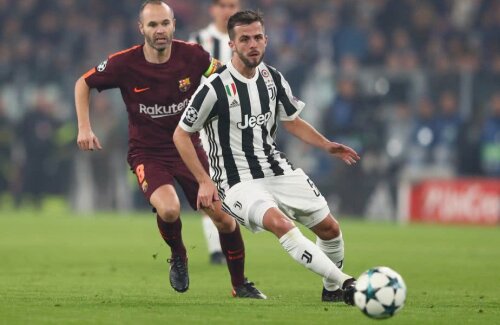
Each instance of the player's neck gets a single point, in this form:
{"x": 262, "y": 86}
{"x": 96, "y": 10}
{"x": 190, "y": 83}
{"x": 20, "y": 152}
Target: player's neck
{"x": 154, "y": 56}
{"x": 245, "y": 71}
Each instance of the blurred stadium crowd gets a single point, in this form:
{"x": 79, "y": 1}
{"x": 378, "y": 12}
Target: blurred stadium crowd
{"x": 413, "y": 85}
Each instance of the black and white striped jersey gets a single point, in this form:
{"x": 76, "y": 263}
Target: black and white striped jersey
{"x": 240, "y": 116}
{"x": 214, "y": 42}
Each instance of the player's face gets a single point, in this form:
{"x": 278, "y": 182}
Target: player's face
{"x": 157, "y": 24}
{"x": 249, "y": 43}
{"x": 222, "y": 10}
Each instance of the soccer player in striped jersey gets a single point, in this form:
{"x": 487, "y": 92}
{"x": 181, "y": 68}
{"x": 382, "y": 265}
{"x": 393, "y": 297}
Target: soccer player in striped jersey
{"x": 215, "y": 40}
{"x": 156, "y": 80}
{"x": 240, "y": 107}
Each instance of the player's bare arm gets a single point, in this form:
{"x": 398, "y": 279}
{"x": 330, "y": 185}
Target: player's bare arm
{"x": 86, "y": 138}
{"x": 207, "y": 192}
{"x": 307, "y": 133}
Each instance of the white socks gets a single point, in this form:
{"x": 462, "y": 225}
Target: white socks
{"x": 334, "y": 249}
{"x": 311, "y": 256}
{"x": 211, "y": 235}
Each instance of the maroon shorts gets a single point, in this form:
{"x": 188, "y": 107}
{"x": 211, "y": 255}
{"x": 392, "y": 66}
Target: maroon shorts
{"x": 154, "y": 172}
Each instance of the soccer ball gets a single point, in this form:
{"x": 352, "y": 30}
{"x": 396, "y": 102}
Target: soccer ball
{"x": 380, "y": 292}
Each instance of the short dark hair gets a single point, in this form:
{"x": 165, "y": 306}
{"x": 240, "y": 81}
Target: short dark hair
{"x": 245, "y": 17}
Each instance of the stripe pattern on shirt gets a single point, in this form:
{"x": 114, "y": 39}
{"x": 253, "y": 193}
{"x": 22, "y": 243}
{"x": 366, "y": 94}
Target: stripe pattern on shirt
{"x": 239, "y": 116}
{"x": 214, "y": 42}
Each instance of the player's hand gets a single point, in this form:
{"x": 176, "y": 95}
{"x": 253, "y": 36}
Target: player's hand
{"x": 207, "y": 194}
{"x": 347, "y": 154}
{"x": 87, "y": 140}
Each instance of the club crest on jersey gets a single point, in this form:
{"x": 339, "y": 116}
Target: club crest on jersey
{"x": 184, "y": 84}
{"x": 272, "y": 91}
{"x": 102, "y": 66}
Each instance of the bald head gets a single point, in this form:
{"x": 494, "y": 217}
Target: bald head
{"x": 152, "y": 5}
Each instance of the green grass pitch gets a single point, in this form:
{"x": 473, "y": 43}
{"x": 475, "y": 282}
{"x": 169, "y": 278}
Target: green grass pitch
{"x": 111, "y": 269}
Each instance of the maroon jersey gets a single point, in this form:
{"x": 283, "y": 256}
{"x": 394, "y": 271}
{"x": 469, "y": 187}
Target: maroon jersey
{"x": 155, "y": 94}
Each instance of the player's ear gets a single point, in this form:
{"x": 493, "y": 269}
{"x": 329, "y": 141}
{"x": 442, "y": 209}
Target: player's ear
{"x": 232, "y": 46}
{"x": 173, "y": 23}
{"x": 141, "y": 27}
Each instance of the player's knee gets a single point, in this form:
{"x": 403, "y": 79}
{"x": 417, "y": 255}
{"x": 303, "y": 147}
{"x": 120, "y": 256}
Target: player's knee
{"x": 224, "y": 222}
{"x": 168, "y": 213}
{"x": 279, "y": 225}
{"x": 327, "y": 229}
{"x": 333, "y": 231}
{"x": 227, "y": 226}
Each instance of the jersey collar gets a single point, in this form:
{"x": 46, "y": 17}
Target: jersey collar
{"x": 240, "y": 77}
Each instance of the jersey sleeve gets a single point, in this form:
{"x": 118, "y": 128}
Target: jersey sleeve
{"x": 289, "y": 106}
{"x": 104, "y": 76}
{"x": 199, "y": 109}
{"x": 208, "y": 65}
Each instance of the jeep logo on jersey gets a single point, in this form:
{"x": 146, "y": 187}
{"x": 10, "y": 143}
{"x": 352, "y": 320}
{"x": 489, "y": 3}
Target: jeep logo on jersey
{"x": 158, "y": 111}
{"x": 253, "y": 121}
{"x": 102, "y": 66}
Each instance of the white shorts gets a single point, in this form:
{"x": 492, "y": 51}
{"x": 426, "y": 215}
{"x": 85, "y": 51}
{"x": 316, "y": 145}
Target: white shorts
{"x": 294, "y": 194}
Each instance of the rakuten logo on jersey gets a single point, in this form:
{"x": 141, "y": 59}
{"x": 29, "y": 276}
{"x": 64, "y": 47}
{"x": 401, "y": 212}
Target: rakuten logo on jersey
{"x": 250, "y": 121}
{"x": 158, "y": 111}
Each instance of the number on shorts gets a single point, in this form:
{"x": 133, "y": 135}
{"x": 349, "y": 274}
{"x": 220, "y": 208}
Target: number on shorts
{"x": 315, "y": 189}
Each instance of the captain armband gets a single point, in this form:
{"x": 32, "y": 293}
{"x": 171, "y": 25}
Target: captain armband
{"x": 214, "y": 65}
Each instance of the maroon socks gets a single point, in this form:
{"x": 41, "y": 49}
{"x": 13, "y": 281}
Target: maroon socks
{"x": 234, "y": 250}
{"x": 171, "y": 233}
{"x": 232, "y": 247}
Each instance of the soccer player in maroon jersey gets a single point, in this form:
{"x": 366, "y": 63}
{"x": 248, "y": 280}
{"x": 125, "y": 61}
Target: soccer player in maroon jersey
{"x": 156, "y": 80}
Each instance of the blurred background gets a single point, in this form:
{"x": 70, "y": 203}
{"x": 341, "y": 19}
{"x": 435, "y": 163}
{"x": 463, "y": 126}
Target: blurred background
{"x": 412, "y": 85}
